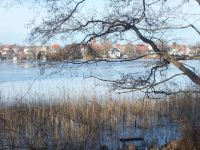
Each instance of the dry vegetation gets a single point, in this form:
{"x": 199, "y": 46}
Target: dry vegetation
{"x": 83, "y": 124}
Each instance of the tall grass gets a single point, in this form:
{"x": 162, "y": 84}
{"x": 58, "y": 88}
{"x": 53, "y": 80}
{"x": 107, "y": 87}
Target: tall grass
{"x": 86, "y": 125}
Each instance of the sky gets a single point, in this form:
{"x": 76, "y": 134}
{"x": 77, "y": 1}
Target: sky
{"x": 13, "y": 24}
{"x": 14, "y": 20}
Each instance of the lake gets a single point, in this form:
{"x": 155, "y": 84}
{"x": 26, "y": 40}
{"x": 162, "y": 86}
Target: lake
{"x": 27, "y": 79}
{"x": 60, "y": 81}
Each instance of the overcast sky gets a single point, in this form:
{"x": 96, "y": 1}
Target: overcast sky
{"x": 13, "y": 22}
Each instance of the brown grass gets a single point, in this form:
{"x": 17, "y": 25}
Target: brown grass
{"x": 83, "y": 124}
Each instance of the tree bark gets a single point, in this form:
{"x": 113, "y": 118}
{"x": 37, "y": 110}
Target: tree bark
{"x": 194, "y": 77}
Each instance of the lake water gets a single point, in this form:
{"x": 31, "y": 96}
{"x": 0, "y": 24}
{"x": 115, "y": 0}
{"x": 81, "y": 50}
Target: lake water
{"x": 71, "y": 80}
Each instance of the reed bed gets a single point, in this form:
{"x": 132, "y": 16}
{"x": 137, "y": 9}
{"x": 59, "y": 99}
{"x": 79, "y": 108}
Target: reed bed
{"x": 43, "y": 123}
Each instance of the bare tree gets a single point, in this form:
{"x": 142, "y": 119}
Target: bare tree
{"x": 144, "y": 20}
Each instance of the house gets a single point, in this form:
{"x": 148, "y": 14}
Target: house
{"x": 180, "y": 50}
{"x": 17, "y": 49}
{"x": 6, "y": 48}
{"x": 26, "y": 50}
{"x": 93, "y": 50}
{"x": 100, "y": 49}
{"x": 142, "y": 49}
{"x": 96, "y": 46}
{"x": 7, "y": 52}
{"x": 87, "y": 51}
{"x": 114, "y": 53}
{"x": 55, "y": 48}
{"x": 41, "y": 51}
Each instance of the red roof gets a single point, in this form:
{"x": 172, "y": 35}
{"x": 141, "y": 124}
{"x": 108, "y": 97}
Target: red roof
{"x": 141, "y": 47}
{"x": 118, "y": 46}
{"x": 6, "y": 46}
{"x": 55, "y": 46}
{"x": 96, "y": 46}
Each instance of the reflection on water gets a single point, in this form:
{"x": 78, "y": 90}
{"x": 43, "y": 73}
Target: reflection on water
{"x": 158, "y": 135}
{"x": 68, "y": 80}
{"x": 16, "y": 79}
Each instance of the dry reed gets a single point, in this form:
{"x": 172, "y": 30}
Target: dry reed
{"x": 86, "y": 125}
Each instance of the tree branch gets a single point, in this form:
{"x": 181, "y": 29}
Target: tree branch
{"x": 194, "y": 77}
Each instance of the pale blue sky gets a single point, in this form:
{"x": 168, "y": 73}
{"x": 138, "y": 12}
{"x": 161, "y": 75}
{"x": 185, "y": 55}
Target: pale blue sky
{"x": 13, "y": 22}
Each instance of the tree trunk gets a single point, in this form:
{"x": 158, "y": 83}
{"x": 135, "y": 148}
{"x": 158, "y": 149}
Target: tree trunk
{"x": 194, "y": 77}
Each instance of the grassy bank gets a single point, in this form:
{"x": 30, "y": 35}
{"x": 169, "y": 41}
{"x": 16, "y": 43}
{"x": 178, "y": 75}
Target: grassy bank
{"x": 80, "y": 125}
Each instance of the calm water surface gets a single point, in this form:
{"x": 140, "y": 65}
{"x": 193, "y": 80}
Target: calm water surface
{"x": 71, "y": 80}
